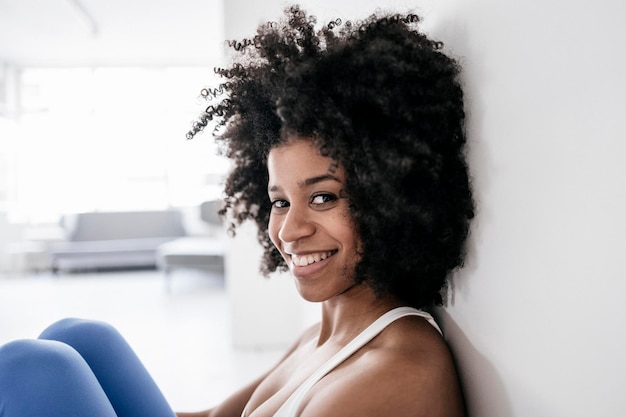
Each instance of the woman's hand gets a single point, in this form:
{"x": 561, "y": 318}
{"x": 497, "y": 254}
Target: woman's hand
{"x": 206, "y": 413}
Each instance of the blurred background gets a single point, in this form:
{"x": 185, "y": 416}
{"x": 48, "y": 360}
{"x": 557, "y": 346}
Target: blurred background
{"x": 96, "y": 97}
{"x": 95, "y": 101}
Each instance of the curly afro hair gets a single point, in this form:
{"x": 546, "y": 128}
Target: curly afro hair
{"x": 383, "y": 100}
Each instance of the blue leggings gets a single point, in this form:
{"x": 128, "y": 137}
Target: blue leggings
{"x": 77, "y": 368}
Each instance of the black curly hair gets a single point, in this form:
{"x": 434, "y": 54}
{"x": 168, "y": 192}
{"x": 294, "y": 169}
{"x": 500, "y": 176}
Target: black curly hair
{"x": 383, "y": 100}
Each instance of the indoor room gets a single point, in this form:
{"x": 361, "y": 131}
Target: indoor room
{"x": 108, "y": 211}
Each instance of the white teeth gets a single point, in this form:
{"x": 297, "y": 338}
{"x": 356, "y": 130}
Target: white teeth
{"x": 305, "y": 260}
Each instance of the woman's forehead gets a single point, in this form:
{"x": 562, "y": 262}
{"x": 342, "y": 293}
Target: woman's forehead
{"x": 299, "y": 160}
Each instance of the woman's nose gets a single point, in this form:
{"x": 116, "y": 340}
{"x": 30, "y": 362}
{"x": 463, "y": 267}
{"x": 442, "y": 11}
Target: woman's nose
{"x": 296, "y": 225}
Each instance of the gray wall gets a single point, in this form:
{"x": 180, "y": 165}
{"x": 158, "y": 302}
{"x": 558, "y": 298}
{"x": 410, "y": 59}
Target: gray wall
{"x": 536, "y": 319}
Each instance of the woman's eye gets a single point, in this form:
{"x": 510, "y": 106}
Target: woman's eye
{"x": 280, "y": 204}
{"x": 320, "y": 199}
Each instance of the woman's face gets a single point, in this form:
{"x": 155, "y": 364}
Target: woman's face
{"x": 310, "y": 223}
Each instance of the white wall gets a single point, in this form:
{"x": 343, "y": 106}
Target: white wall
{"x": 536, "y": 319}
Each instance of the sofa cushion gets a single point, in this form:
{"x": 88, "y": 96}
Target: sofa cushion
{"x": 115, "y": 240}
{"x": 123, "y": 225}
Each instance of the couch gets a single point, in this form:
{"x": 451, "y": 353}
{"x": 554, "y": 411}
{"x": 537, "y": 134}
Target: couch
{"x": 114, "y": 240}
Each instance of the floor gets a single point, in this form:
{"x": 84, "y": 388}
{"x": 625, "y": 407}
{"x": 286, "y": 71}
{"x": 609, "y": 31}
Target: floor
{"x": 182, "y": 335}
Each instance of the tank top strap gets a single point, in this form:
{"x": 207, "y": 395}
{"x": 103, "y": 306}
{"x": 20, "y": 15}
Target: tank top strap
{"x": 290, "y": 407}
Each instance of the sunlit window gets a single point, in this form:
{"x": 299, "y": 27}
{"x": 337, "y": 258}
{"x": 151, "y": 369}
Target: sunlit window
{"x": 90, "y": 139}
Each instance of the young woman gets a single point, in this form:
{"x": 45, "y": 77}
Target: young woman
{"x": 348, "y": 149}
{"x": 348, "y": 145}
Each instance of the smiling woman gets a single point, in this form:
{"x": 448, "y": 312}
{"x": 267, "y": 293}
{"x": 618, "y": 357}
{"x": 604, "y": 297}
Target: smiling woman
{"x": 348, "y": 150}
{"x": 356, "y": 132}
{"x": 383, "y": 102}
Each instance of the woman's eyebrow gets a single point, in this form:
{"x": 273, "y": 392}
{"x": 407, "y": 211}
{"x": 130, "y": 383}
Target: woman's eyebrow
{"x": 309, "y": 181}
{"x": 320, "y": 178}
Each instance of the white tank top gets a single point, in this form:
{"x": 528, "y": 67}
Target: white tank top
{"x": 291, "y": 406}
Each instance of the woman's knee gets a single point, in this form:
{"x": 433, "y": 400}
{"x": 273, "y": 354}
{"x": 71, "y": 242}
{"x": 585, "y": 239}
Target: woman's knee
{"x": 88, "y": 337}
{"x": 30, "y": 359}
{"x": 29, "y": 350}
{"x": 47, "y": 377}
{"x": 96, "y": 341}
{"x": 69, "y": 329}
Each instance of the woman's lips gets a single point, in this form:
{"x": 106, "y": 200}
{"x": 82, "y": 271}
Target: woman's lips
{"x": 310, "y": 263}
{"x": 308, "y": 259}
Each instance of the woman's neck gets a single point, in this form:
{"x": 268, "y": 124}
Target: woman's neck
{"x": 347, "y": 314}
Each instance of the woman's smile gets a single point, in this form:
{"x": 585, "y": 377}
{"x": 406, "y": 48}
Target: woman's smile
{"x": 308, "y": 266}
{"x": 308, "y": 259}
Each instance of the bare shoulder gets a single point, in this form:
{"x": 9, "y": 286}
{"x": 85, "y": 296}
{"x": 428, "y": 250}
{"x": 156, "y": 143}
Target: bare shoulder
{"x": 406, "y": 371}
